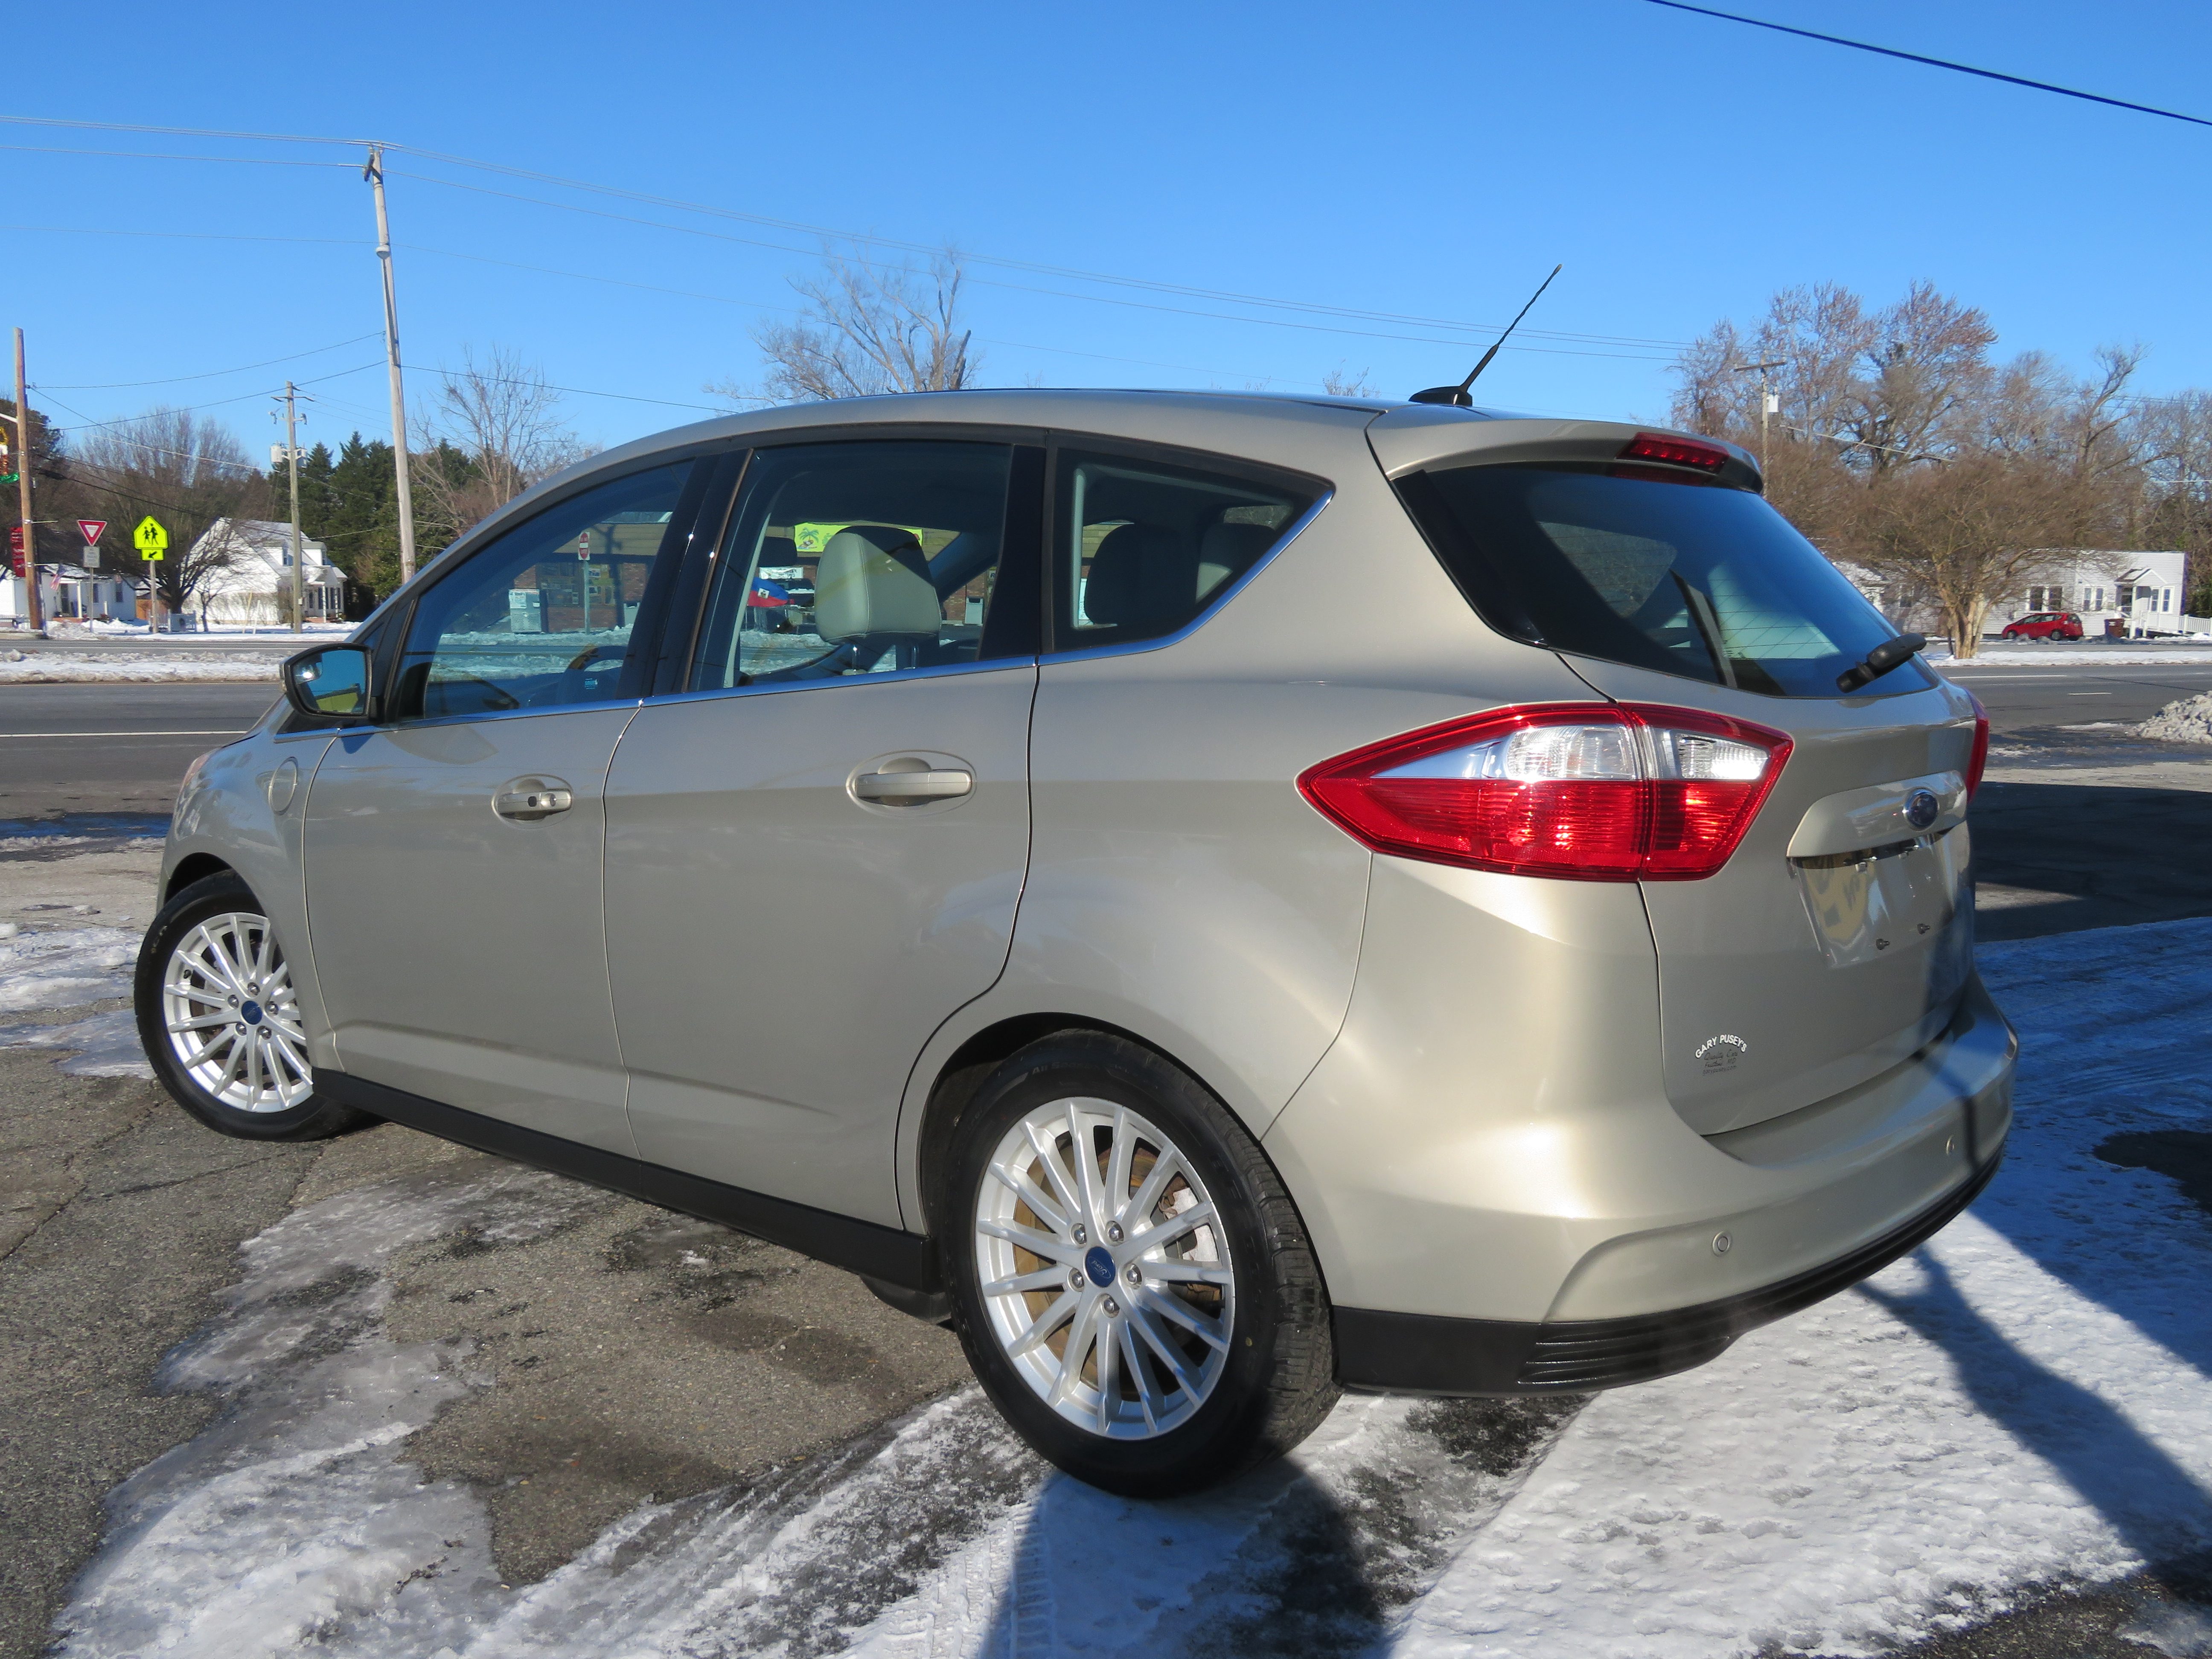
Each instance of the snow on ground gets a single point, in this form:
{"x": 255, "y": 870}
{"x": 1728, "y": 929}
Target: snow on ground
{"x": 2162, "y": 651}
{"x": 100, "y": 1045}
{"x": 2025, "y": 1400}
{"x": 130, "y": 667}
{"x": 65, "y": 968}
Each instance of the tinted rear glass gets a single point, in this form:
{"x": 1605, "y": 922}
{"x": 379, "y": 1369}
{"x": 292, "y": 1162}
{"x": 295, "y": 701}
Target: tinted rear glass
{"x": 1708, "y": 583}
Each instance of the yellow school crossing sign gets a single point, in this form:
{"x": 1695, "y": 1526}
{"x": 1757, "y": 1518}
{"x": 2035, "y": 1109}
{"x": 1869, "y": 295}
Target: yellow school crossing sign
{"x": 151, "y": 540}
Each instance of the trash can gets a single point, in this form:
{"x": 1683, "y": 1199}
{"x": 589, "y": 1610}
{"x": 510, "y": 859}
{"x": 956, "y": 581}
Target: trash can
{"x": 2116, "y": 628}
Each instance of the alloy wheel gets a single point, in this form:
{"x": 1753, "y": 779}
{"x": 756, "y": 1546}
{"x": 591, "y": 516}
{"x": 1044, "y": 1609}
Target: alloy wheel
{"x": 232, "y": 1016}
{"x": 1104, "y": 1269}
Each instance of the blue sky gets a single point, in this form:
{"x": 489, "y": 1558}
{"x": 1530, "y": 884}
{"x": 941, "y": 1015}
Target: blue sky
{"x": 1424, "y": 160}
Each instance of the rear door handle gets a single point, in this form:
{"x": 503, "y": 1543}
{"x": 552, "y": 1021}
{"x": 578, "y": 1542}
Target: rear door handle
{"x": 528, "y": 799}
{"x": 913, "y": 786}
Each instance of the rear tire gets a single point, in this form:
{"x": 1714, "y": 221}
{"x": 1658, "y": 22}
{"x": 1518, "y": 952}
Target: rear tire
{"x": 219, "y": 1021}
{"x": 1152, "y": 1323}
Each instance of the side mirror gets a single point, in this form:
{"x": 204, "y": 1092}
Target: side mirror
{"x": 329, "y": 682}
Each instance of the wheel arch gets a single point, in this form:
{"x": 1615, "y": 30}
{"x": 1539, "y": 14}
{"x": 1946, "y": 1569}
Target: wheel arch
{"x": 193, "y": 867}
{"x": 962, "y": 1074}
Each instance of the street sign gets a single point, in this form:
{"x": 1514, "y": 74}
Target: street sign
{"x": 90, "y": 529}
{"x": 152, "y": 541}
{"x": 15, "y": 550}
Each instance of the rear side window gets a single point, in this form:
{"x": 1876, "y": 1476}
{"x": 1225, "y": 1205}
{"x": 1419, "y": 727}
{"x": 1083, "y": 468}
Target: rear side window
{"x": 1707, "y": 583}
{"x": 1141, "y": 548}
{"x": 862, "y": 558}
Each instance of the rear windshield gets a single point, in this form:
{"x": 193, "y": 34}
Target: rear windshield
{"x": 1706, "y": 582}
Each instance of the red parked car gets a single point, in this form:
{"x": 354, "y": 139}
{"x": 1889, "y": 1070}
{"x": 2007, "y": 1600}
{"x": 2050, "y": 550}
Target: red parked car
{"x": 2044, "y": 625}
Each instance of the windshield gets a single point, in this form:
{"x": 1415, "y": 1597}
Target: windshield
{"x": 1711, "y": 584}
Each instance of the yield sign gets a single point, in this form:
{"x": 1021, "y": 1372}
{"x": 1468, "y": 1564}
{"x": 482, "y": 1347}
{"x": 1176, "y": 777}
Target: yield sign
{"x": 90, "y": 529}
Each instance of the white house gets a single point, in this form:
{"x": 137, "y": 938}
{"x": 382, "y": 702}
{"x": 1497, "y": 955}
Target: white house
{"x": 254, "y": 584}
{"x": 2142, "y": 592}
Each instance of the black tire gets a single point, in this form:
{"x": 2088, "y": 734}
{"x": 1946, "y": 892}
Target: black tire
{"x": 1278, "y": 1380}
{"x": 314, "y": 1118}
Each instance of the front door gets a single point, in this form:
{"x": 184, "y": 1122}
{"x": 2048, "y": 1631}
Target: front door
{"x": 814, "y": 856}
{"x": 454, "y": 852}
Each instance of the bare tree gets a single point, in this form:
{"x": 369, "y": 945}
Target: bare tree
{"x": 1340, "y": 383}
{"x": 1968, "y": 532}
{"x": 494, "y": 431}
{"x": 1881, "y": 388}
{"x": 185, "y": 471}
{"x": 1902, "y": 448}
{"x": 870, "y": 327}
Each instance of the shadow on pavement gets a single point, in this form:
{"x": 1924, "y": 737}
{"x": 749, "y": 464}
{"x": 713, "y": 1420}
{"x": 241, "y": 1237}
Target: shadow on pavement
{"x": 2116, "y": 856}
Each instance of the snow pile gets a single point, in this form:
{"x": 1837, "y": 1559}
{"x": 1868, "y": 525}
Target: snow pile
{"x": 2185, "y": 719}
{"x": 130, "y": 667}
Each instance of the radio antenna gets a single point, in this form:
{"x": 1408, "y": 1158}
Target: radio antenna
{"x": 1456, "y": 396}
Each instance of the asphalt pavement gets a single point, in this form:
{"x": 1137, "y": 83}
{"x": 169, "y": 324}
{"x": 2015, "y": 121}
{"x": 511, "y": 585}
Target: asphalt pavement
{"x": 112, "y": 747}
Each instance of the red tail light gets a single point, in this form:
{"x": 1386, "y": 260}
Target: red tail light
{"x": 1978, "y": 762}
{"x": 1675, "y": 452}
{"x": 1583, "y": 792}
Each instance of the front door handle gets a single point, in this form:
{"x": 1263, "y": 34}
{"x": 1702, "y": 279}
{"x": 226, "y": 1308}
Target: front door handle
{"x": 913, "y": 786}
{"x": 528, "y": 799}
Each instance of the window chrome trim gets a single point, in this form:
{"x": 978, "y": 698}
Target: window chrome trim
{"x": 389, "y": 727}
{"x": 1092, "y": 653}
{"x": 895, "y": 676}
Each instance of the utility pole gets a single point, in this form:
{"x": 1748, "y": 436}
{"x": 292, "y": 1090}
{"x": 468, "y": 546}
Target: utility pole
{"x": 34, "y": 612}
{"x": 374, "y": 173}
{"x": 292, "y": 455}
{"x": 1765, "y": 403}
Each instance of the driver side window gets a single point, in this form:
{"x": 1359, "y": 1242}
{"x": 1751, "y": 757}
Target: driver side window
{"x": 541, "y": 617}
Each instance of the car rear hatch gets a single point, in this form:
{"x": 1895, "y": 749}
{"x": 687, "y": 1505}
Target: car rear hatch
{"x": 1836, "y": 937}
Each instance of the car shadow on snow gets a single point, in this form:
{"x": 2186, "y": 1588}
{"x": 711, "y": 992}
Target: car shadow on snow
{"x": 2147, "y": 1497}
{"x": 1315, "y": 1556}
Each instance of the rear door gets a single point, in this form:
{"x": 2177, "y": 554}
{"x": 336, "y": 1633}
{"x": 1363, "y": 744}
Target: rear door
{"x": 1837, "y": 939}
{"x": 814, "y": 851}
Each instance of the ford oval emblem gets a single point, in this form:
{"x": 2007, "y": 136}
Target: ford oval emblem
{"x": 1921, "y": 808}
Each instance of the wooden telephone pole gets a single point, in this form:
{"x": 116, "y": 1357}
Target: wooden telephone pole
{"x": 33, "y": 610}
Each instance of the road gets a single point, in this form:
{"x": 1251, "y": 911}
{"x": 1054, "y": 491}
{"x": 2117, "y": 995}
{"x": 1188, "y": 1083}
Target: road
{"x": 2023, "y": 698}
{"x": 111, "y": 748}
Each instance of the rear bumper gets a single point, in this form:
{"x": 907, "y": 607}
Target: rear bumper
{"x": 1421, "y": 1354}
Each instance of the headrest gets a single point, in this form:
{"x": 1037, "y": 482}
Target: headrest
{"x": 1226, "y": 552}
{"x": 873, "y": 581}
{"x": 1142, "y": 575}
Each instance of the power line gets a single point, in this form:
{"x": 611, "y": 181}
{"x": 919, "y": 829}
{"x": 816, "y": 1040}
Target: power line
{"x": 191, "y": 409}
{"x": 1937, "y": 63}
{"x": 185, "y": 235}
{"x": 165, "y": 155}
{"x": 1188, "y": 290}
{"x": 1023, "y": 287}
{"x": 114, "y": 386}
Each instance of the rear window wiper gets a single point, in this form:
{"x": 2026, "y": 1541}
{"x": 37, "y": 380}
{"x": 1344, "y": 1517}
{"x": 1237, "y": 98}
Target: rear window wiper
{"x": 1879, "y": 662}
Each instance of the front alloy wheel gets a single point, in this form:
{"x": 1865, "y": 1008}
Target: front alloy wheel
{"x": 219, "y": 1019}
{"x": 230, "y": 1016}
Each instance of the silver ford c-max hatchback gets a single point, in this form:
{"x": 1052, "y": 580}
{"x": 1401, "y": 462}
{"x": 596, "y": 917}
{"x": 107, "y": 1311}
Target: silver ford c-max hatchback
{"x": 1226, "y": 899}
